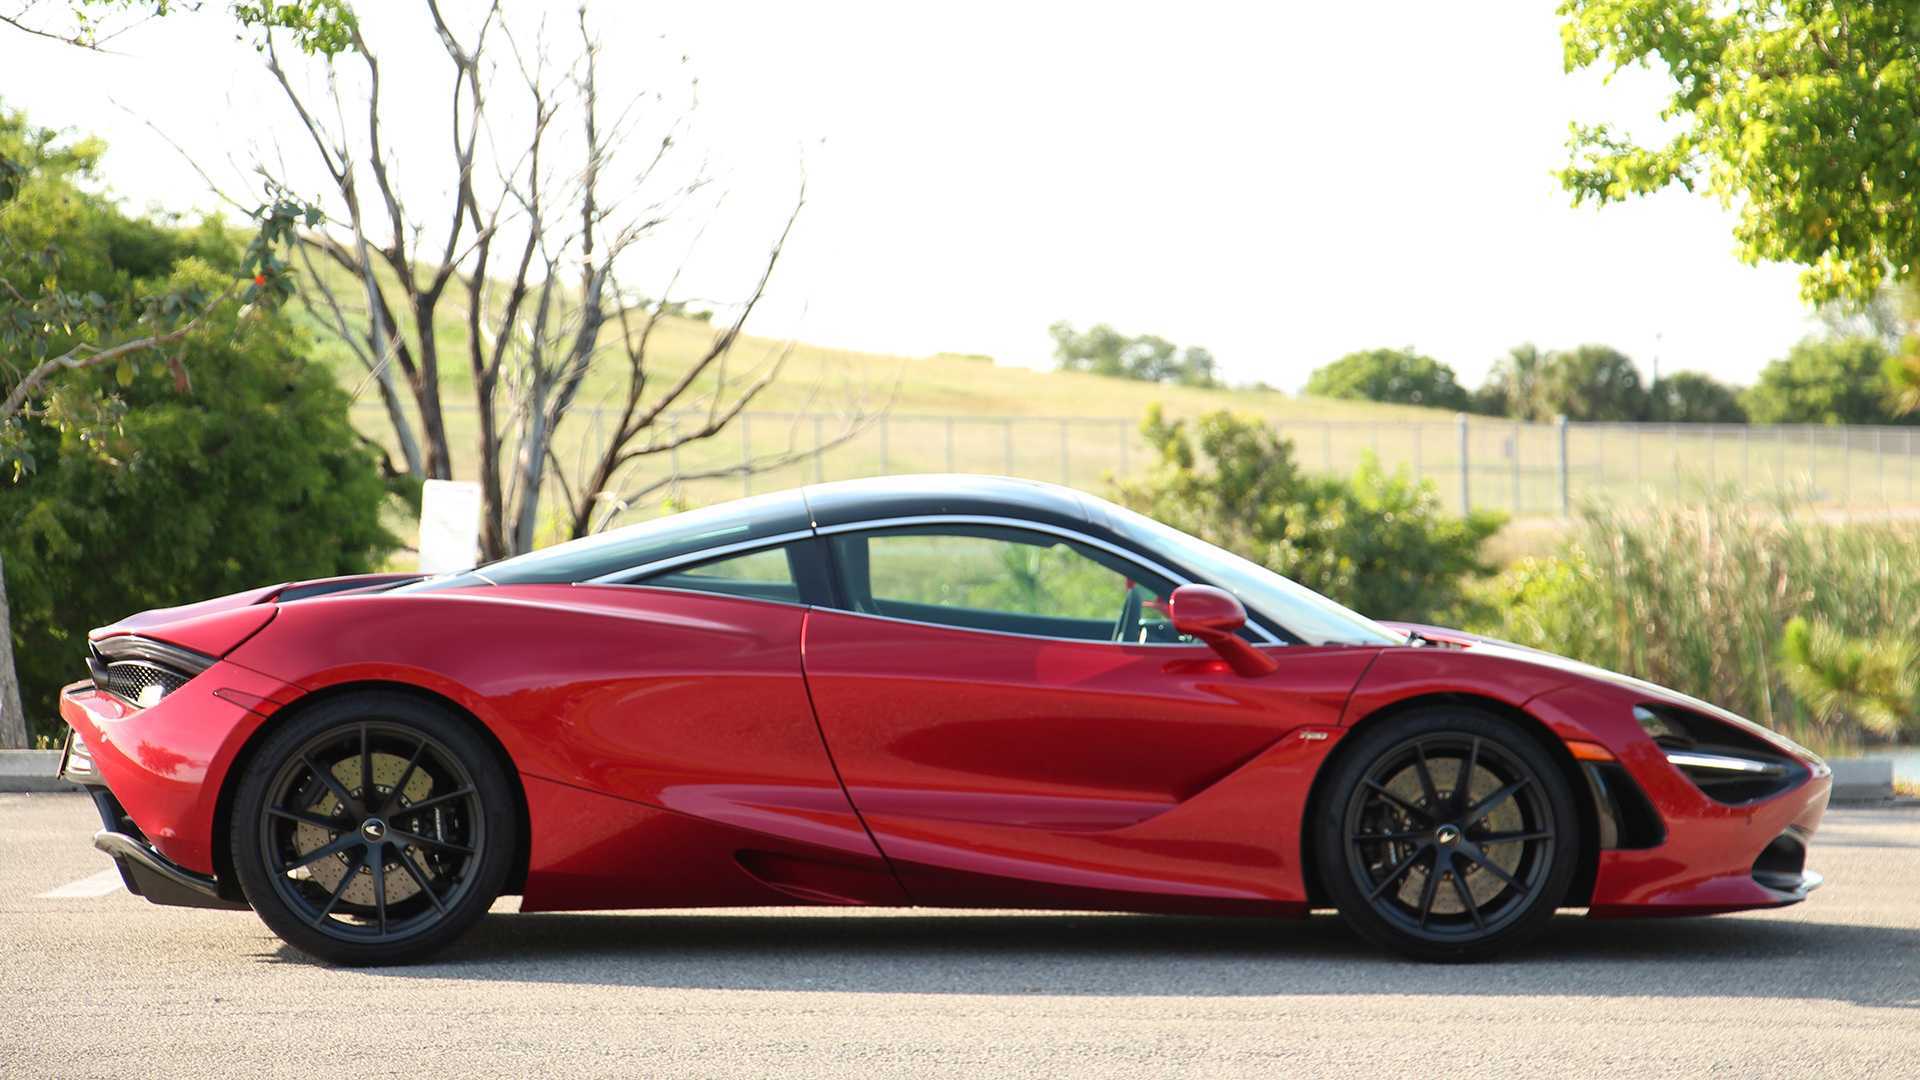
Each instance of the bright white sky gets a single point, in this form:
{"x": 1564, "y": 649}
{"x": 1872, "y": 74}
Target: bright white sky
{"x": 1279, "y": 183}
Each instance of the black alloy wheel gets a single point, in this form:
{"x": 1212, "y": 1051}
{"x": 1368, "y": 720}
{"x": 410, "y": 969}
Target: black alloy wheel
{"x": 1447, "y": 834}
{"x": 373, "y": 829}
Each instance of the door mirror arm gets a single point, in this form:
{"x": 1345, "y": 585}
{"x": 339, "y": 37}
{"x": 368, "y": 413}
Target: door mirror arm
{"x": 1215, "y": 617}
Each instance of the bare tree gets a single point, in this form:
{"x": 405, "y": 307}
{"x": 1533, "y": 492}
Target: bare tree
{"x": 543, "y": 214}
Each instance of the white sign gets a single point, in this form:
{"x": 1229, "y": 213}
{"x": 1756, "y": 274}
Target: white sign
{"x": 449, "y": 526}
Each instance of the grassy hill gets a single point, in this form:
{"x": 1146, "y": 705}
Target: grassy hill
{"x": 956, "y": 413}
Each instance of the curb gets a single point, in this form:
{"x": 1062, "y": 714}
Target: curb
{"x": 31, "y": 770}
{"x": 1862, "y": 780}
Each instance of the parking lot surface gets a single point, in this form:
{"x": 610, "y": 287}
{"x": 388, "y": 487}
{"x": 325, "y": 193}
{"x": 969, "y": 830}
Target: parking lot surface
{"x": 95, "y": 982}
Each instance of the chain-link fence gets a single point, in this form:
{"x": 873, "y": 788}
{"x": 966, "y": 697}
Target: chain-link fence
{"x": 1474, "y": 462}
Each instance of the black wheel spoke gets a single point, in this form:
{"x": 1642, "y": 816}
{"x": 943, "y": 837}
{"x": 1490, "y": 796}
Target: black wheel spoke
{"x": 377, "y": 858}
{"x": 340, "y": 843}
{"x": 1485, "y": 806}
{"x": 346, "y": 881}
{"x": 1493, "y": 868}
{"x": 406, "y": 774}
{"x": 340, "y": 794}
{"x": 1427, "y": 890}
{"x": 1395, "y": 837}
{"x": 420, "y": 879}
{"x": 1397, "y": 872}
{"x": 438, "y": 799}
{"x": 332, "y": 825}
{"x": 1426, "y": 776}
{"x": 1463, "y": 785}
{"x": 1466, "y": 898}
{"x": 366, "y": 769}
{"x": 1396, "y": 800}
{"x": 404, "y": 837}
{"x": 1511, "y": 838}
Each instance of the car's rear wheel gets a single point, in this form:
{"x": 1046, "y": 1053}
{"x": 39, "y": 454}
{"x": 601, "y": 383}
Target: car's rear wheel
{"x": 373, "y": 828}
{"x": 1447, "y": 834}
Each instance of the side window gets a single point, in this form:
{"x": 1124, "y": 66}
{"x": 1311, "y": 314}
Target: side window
{"x": 1008, "y": 580}
{"x": 766, "y": 574}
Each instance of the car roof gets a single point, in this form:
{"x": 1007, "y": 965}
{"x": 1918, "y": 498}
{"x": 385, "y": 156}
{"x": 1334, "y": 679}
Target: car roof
{"x": 885, "y": 498}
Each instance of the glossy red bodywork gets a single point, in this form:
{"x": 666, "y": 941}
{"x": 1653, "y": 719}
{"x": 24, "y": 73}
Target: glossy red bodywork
{"x": 684, "y": 749}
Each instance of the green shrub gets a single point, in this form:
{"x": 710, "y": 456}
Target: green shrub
{"x": 1698, "y": 598}
{"x": 1379, "y": 542}
{"x": 252, "y": 477}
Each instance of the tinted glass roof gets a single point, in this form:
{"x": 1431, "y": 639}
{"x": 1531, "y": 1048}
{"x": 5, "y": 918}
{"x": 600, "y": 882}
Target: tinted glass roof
{"x": 735, "y": 522}
{"x": 847, "y": 501}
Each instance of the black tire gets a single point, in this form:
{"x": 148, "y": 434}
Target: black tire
{"x": 305, "y": 834}
{"x": 1419, "y": 864}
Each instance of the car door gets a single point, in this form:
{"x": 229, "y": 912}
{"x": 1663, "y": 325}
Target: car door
{"x": 1017, "y": 724}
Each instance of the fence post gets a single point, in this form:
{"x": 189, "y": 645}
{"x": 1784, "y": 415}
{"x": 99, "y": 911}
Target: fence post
{"x": 1326, "y": 444}
{"x": 1124, "y": 427}
{"x": 883, "y": 444}
{"x": 746, "y": 454}
{"x": 1518, "y": 428}
{"x": 1466, "y": 500}
{"x": 1746, "y": 459}
{"x": 1066, "y": 469}
{"x": 1560, "y": 429}
{"x": 949, "y": 444}
{"x": 1417, "y": 429}
{"x": 1006, "y": 437}
{"x": 1880, "y": 465}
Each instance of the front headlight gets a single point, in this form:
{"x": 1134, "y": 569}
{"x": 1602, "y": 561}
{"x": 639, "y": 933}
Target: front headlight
{"x": 1727, "y": 765}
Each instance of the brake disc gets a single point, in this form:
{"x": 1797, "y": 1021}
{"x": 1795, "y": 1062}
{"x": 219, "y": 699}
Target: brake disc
{"x": 328, "y": 872}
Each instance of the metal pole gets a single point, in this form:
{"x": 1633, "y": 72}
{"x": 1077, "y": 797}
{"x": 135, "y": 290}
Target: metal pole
{"x": 1515, "y": 458}
{"x": 950, "y": 444}
{"x": 746, "y": 454}
{"x": 1066, "y": 468}
{"x": 1466, "y": 500}
{"x": 1812, "y": 475}
{"x": 1880, "y": 465}
{"x": 1846, "y": 466}
{"x": 1566, "y": 498}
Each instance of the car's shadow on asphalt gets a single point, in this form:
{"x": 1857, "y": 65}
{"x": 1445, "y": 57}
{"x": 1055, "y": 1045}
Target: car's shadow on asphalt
{"x": 1168, "y": 956}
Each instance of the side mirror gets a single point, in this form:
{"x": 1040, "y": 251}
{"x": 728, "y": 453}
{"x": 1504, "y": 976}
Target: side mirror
{"x": 1215, "y": 616}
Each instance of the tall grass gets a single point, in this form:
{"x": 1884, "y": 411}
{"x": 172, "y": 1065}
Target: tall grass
{"x": 1697, "y": 598}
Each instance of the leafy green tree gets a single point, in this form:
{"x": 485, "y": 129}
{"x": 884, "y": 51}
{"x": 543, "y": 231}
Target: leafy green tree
{"x": 321, "y": 27}
{"x": 1823, "y": 382}
{"x": 166, "y": 441}
{"x": 1378, "y": 542}
{"x": 1592, "y": 382}
{"x": 1688, "y": 397}
{"x": 1513, "y": 386}
{"x": 1102, "y": 350}
{"x": 1397, "y": 376}
{"x": 1800, "y": 115}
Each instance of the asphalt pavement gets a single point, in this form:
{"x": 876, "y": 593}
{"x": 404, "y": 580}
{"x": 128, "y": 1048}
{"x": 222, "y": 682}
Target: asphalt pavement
{"x": 95, "y": 982}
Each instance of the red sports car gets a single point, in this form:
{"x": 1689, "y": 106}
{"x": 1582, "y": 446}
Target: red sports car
{"x": 952, "y": 691}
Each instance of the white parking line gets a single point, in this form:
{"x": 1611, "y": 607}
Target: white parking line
{"x": 86, "y": 888}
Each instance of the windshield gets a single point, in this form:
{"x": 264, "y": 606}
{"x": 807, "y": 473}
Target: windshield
{"x": 1305, "y": 614}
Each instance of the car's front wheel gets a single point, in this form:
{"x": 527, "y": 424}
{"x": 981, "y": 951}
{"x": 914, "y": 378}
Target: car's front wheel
{"x": 373, "y": 828}
{"x": 1447, "y": 834}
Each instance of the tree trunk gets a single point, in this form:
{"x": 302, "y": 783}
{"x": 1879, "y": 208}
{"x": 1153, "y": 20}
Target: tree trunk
{"x": 13, "y": 719}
